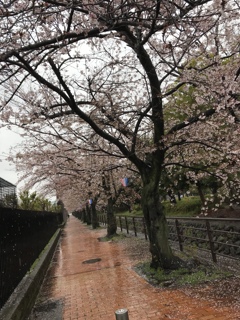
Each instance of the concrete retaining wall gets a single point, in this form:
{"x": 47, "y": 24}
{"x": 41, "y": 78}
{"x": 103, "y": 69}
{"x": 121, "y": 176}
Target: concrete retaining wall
{"x": 20, "y": 303}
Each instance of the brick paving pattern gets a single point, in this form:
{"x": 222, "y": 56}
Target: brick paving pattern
{"x": 93, "y": 291}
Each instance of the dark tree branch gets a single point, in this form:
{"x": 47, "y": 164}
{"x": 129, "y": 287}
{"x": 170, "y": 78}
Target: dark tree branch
{"x": 191, "y": 120}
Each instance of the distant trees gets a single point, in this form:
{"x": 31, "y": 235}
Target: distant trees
{"x": 77, "y": 173}
{"x": 31, "y": 201}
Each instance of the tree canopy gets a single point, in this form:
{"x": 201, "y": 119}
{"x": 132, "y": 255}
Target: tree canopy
{"x": 103, "y": 73}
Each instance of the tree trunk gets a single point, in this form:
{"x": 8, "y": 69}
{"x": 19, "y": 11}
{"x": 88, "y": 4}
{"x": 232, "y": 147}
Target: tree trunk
{"x": 171, "y": 196}
{"x": 200, "y": 192}
{"x": 94, "y": 217}
{"x": 179, "y": 196}
{"x": 111, "y": 219}
{"x": 88, "y": 214}
{"x": 84, "y": 216}
{"x": 156, "y": 223}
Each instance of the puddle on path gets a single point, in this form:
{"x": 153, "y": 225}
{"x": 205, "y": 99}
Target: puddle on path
{"x": 92, "y": 260}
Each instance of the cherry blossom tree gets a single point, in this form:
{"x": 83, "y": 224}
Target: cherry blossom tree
{"x": 107, "y": 69}
{"x": 73, "y": 171}
{"x": 206, "y": 154}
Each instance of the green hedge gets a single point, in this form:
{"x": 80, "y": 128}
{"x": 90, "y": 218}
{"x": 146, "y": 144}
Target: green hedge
{"x": 187, "y": 207}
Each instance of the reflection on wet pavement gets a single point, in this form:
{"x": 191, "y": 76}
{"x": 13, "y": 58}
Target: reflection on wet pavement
{"x": 48, "y": 310}
{"x": 93, "y": 291}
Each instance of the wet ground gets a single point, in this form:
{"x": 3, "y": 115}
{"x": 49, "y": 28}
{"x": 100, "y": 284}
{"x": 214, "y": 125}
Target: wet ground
{"x": 89, "y": 280}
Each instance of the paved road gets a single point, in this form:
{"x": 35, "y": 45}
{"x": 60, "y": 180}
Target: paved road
{"x": 89, "y": 280}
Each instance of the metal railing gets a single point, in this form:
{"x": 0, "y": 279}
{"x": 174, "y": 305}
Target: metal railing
{"x": 23, "y": 236}
{"x": 219, "y": 236}
{"x": 131, "y": 224}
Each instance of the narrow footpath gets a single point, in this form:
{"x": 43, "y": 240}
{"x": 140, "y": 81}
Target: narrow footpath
{"x": 90, "y": 280}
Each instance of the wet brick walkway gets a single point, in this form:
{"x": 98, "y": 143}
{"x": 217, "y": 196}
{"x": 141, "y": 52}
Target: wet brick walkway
{"x": 75, "y": 290}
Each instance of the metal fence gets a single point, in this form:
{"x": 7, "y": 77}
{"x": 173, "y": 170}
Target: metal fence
{"x": 219, "y": 236}
{"x": 23, "y": 235}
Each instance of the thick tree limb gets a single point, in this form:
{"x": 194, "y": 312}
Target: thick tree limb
{"x": 192, "y": 120}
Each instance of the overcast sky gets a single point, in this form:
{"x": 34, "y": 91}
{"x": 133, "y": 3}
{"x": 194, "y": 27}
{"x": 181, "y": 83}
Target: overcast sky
{"x": 8, "y": 140}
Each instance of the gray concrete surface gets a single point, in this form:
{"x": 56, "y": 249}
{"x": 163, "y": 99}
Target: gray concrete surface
{"x": 20, "y": 303}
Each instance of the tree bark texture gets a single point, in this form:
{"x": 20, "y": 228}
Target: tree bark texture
{"x": 84, "y": 216}
{"x": 88, "y": 214}
{"x": 111, "y": 219}
{"x": 200, "y": 192}
{"x": 156, "y": 223}
{"x": 94, "y": 217}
